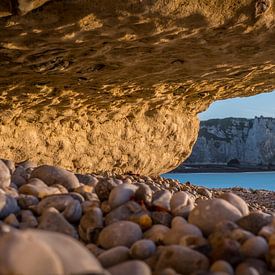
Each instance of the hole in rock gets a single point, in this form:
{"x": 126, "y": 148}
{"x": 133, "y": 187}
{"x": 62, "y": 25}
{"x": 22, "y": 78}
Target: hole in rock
{"x": 235, "y": 146}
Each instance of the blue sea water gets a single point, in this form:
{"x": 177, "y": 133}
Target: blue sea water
{"x": 254, "y": 180}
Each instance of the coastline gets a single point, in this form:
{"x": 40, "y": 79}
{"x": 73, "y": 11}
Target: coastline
{"x": 221, "y": 169}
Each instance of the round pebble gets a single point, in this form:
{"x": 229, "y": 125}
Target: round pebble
{"x": 235, "y": 200}
{"x": 114, "y": 256}
{"x": 122, "y": 233}
{"x": 55, "y": 175}
{"x": 255, "y": 247}
{"x": 131, "y": 267}
{"x": 161, "y": 199}
{"x": 210, "y": 212}
{"x": 222, "y": 266}
{"x": 182, "y": 259}
{"x": 181, "y": 204}
{"x": 121, "y": 194}
{"x": 5, "y": 175}
{"x": 142, "y": 249}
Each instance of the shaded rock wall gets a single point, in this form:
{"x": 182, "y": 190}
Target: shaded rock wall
{"x": 251, "y": 141}
{"x": 109, "y": 85}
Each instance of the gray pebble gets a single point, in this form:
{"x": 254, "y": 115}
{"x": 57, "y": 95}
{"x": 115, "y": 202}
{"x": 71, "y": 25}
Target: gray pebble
{"x": 181, "y": 204}
{"x": 254, "y": 221}
{"x": 114, "y": 256}
{"x": 121, "y": 194}
{"x": 52, "y": 220}
{"x": 161, "y": 200}
{"x": 156, "y": 233}
{"x": 122, "y": 233}
{"x": 255, "y": 247}
{"x": 208, "y": 213}
{"x": 55, "y": 175}
{"x": 142, "y": 249}
{"x": 237, "y": 201}
{"x": 131, "y": 267}
{"x": 182, "y": 259}
{"x": 222, "y": 266}
{"x": 8, "y": 205}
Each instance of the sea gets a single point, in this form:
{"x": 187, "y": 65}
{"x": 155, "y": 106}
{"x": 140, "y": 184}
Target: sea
{"x": 249, "y": 180}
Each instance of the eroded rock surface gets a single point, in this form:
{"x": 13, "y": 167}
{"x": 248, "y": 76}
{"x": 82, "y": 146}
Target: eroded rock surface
{"x": 115, "y": 85}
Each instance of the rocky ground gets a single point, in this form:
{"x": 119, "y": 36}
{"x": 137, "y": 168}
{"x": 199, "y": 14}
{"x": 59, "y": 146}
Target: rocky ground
{"x": 57, "y": 222}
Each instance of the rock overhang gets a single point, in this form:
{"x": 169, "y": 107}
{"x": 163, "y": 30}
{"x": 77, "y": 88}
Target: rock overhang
{"x": 109, "y": 85}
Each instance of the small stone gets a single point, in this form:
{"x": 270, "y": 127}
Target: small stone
{"x": 114, "y": 256}
{"x": 222, "y": 266}
{"x": 73, "y": 211}
{"x": 21, "y": 172}
{"x": 88, "y": 180}
{"x": 236, "y": 201}
{"x": 174, "y": 235}
{"x": 131, "y": 267}
{"x": 267, "y": 230}
{"x": 178, "y": 222}
{"x": 18, "y": 180}
{"x": 8, "y": 205}
{"x": 55, "y": 175}
{"x": 204, "y": 192}
{"x": 225, "y": 249}
{"x": 142, "y": 249}
{"x": 161, "y": 217}
{"x": 244, "y": 269}
{"x": 210, "y": 212}
{"x": 156, "y": 233}
{"x": 52, "y": 220}
{"x": 181, "y": 204}
{"x": 122, "y": 233}
{"x": 104, "y": 187}
{"x": 5, "y": 175}
{"x": 161, "y": 200}
{"x": 94, "y": 249}
{"x": 182, "y": 259}
{"x": 241, "y": 235}
{"x": 60, "y": 202}
{"x": 12, "y": 220}
{"x": 27, "y": 164}
{"x": 84, "y": 190}
{"x": 144, "y": 194}
{"x": 131, "y": 211}
{"x": 192, "y": 241}
{"x": 37, "y": 188}
{"x": 91, "y": 224}
{"x": 121, "y": 194}
{"x": 40, "y": 252}
{"x": 255, "y": 247}
{"x": 10, "y": 164}
{"x": 255, "y": 221}
{"x": 27, "y": 201}
{"x": 28, "y": 220}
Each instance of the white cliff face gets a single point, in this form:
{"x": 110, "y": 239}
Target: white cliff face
{"x": 251, "y": 141}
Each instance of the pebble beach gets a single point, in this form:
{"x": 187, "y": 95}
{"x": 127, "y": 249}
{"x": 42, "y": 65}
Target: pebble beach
{"x": 53, "y": 221}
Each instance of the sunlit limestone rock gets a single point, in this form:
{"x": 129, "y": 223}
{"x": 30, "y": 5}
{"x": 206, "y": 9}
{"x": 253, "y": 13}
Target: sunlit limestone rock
{"x": 115, "y": 85}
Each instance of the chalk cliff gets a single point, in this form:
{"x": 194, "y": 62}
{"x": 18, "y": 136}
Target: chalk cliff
{"x": 116, "y": 85}
{"x": 251, "y": 141}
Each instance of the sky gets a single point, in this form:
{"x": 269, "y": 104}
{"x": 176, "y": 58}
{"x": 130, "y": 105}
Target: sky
{"x": 248, "y": 107}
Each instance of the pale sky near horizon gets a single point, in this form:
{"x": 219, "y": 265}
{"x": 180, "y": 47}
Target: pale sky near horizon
{"x": 248, "y": 107}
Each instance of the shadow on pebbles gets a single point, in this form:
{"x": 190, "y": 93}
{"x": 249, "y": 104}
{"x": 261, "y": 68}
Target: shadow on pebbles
{"x": 57, "y": 222}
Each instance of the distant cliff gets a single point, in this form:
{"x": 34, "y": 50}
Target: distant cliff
{"x": 250, "y": 141}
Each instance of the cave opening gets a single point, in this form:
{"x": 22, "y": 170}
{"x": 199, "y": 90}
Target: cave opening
{"x": 236, "y": 138}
